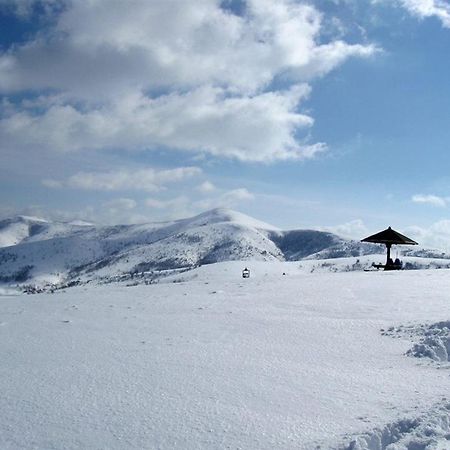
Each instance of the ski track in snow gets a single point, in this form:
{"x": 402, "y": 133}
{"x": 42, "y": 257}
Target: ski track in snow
{"x": 208, "y": 360}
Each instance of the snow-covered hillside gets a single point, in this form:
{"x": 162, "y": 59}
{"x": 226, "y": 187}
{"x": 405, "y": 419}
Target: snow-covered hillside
{"x": 42, "y": 251}
{"x": 53, "y": 252}
{"x": 22, "y": 229}
{"x": 209, "y": 360}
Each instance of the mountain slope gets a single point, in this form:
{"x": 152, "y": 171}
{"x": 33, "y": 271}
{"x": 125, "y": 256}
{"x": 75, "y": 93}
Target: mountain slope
{"x": 60, "y": 251}
{"x": 21, "y": 229}
{"x": 55, "y": 252}
{"x": 17, "y": 229}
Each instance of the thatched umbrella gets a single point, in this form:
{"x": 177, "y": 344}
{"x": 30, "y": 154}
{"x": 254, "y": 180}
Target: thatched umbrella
{"x": 389, "y": 237}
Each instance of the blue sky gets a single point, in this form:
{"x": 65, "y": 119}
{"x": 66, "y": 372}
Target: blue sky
{"x": 328, "y": 113}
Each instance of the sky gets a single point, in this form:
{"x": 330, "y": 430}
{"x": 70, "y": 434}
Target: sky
{"x": 326, "y": 114}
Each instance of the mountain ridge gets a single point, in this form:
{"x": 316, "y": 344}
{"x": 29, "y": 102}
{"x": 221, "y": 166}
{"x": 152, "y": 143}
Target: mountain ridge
{"x": 55, "y": 252}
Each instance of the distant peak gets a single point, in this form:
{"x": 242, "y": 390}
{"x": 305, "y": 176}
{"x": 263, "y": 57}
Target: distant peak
{"x": 81, "y": 223}
{"x": 228, "y": 215}
{"x": 31, "y": 219}
{"x": 221, "y": 210}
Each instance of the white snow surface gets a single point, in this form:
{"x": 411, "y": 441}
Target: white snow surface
{"x": 209, "y": 360}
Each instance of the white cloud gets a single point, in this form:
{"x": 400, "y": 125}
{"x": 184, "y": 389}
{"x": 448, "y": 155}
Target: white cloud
{"x": 257, "y": 128}
{"x": 206, "y": 187}
{"x": 161, "y": 44}
{"x": 355, "y": 229}
{"x": 155, "y": 203}
{"x": 53, "y": 184}
{"x": 116, "y": 211}
{"x": 149, "y": 180}
{"x": 430, "y": 199}
{"x": 121, "y": 204}
{"x": 240, "y": 194}
{"x": 24, "y": 8}
{"x": 174, "y": 208}
{"x": 180, "y": 201}
{"x": 227, "y": 199}
{"x": 429, "y": 8}
{"x": 194, "y": 78}
{"x": 435, "y": 236}
{"x": 183, "y": 206}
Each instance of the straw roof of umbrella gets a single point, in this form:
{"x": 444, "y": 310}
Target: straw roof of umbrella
{"x": 389, "y": 237}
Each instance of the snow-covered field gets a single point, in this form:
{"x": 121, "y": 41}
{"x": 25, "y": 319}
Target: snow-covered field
{"x": 208, "y": 360}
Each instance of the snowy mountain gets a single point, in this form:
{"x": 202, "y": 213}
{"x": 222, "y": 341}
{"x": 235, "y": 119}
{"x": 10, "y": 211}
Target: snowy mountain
{"x": 54, "y": 252}
{"x": 21, "y": 229}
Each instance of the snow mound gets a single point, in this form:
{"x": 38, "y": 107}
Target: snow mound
{"x": 436, "y": 348}
{"x": 430, "y": 431}
{"x": 435, "y": 344}
{"x": 430, "y": 340}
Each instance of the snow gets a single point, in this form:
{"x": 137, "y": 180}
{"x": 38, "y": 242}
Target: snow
{"x": 228, "y": 215}
{"x": 81, "y": 223}
{"x": 431, "y": 340}
{"x": 218, "y": 235}
{"x": 57, "y": 252}
{"x": 207, "y": 359}
{"x": 32, "y": 219}
{"x": 60, "y": 251}
{"x": 13, "y": 234}
{"x": 23, "y": 229}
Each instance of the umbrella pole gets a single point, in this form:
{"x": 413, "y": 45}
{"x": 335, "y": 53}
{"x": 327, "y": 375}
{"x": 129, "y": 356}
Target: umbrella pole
{"x": 388, "y": 246}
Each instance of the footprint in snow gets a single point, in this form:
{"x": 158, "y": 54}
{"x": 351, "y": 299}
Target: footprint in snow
{"x": 364, "y": 419}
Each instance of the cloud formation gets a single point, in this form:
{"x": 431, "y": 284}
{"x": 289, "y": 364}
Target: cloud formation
{"x": 429, "y": 8}
{"x": 433, "y": 200}
{"x": 121, "y": 204}
{"x": 204, "y": 120}
{"x": 355, "y": 229}
{"x": 215, "y": 198}
{"x": 197, "y": 78}
{"x": 160, "y": 44}
{"x": 206, "y": 187}
{"x": 436, "y": 236}
{"x": 149, "y": 180}
{"x": 226, "y": 199}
